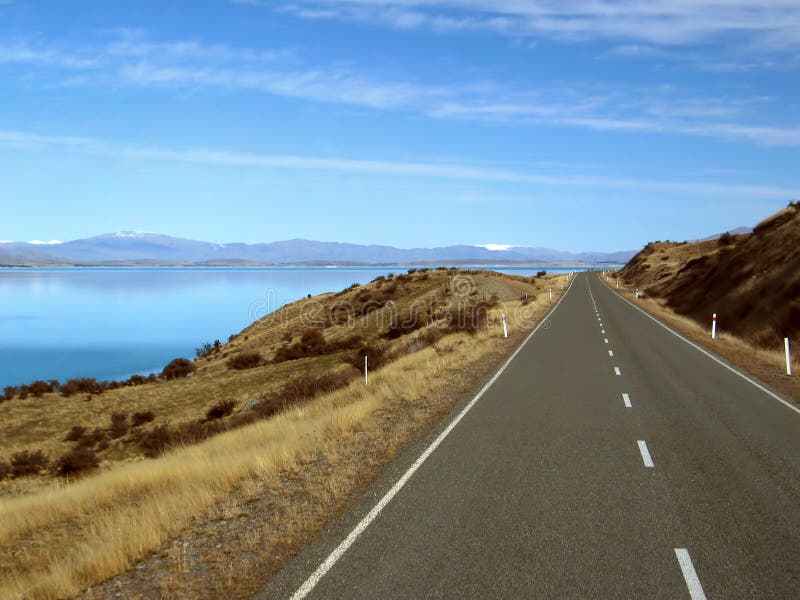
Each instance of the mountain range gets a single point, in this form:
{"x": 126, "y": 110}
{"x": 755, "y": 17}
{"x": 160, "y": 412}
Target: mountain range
{"x": 127, "y": 247}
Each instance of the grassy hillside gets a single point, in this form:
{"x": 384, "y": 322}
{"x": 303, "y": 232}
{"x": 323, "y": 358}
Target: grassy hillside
{"x": 751, "y": 281}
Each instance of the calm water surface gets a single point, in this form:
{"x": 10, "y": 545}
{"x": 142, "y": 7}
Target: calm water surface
{"x": 112, "y": 323}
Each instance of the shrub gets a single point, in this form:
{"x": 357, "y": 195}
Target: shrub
{"x": 312, "y": 343}
{"x": 156, "y": 441}
{"x": 119, "y": 425}
{"x": 5, "y": 470}
{"x": 140, "y": 418}
{"x": 76, "y": 461}
{"x": 377, "y": 354}
{"x": 244, "y": 360}
{"x": 541, "y": 274}
{"x": 75, "y": 434}
{"x": 9, "y": 392}
{"x": 221, "y": 409}
{"x": 177, "y": 368}
{"x": 204, "y": 350}
{"x": 87, "y": 385}
{"x": 28, "y": 463}
{"x": 96, "y": 438}
{"x": 40, "y": 388}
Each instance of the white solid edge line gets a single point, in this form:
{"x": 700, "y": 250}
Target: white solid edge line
{"x": 711, "y": 356}
{"x": 689, "y": 574}
{"x": 311, "y": 582}
{"x": 646, "y": 458}
{"x": 617, "y": 371}
{"x": 627, "y": 400}
{"x": 605, "y": 340}
{"x": 611, "y": 353}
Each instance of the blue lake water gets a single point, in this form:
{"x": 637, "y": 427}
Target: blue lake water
{"x": 112, "y": 323}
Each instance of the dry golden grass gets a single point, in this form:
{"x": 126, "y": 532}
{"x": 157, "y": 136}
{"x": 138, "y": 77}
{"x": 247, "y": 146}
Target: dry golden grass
{"x": 765, "y": 363}
{"x": 69, "y": 536}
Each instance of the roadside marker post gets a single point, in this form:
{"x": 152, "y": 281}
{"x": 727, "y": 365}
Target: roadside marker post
{"x": 788, "y": 356}
{"x": 551, "y": 294}
{"x": 714, "y": 326}
{"x": 366, "y": 371}
{"x": 505, "y": 325}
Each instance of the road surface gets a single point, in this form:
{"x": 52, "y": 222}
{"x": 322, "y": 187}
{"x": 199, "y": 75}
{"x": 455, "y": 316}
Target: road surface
{"x": 610, "y": 459}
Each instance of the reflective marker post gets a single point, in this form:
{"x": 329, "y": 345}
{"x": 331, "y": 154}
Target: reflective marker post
{"x": 714, "y": 326}
{"x": 788, "y": 356}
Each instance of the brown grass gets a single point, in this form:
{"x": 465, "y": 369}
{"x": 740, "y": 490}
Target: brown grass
{"x": 69, "y": 536}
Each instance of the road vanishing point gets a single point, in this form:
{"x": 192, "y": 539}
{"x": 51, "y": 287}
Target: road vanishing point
{"x": 608, "y": 458}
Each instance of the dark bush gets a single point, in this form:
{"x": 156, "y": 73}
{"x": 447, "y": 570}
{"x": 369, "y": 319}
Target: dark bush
{"x": 28, "y": 463}
{"x": 312, "y": 343}
{"x": 119, "y": 425}
{"x": 75, "y": 434}
{"x": 140, "y": 418}
{"x": 82, "y": 385}
{"x": 177, "y": 368}
{"x": 96, "y": 438}
{"x": 541, "y": 274}
{"x": 9, "y": 392}
{"x": 244, "y": 360}
{"x": 156, "y": 441}
{"x": 76, "y": 461}
{"x": 377, "y": 353}
{"x": 5, "y": 470}
{"x": 40, "y": 388}
{"x": 221, "y": 409}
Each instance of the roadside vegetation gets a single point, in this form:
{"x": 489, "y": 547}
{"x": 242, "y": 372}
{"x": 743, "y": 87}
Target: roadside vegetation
{"x": 94, "y": 483}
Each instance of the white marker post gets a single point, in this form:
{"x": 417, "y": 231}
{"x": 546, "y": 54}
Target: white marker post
{"x": 714, "y": 326}
{"x": 505, "y": 325}
{"x": 366, "y": 371}
{"x": 617, "y": 283}
{"x": 788, "y": 356}
{"x": 551, "y": 294}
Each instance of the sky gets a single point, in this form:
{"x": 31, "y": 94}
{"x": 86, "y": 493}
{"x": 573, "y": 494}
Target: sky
{"x": 584, "y": 125}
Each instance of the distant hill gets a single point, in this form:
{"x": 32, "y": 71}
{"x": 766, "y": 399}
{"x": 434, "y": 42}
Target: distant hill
{"x": 751, "y": 280}
{"x": 151, "y": 248}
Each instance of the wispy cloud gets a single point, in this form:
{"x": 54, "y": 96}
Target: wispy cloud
{"x": 773, "y": 23}
{"x": 391, "y": 169}
{"x": 131, "y": 58}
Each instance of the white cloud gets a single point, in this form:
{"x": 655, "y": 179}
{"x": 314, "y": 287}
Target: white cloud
{"x": 390, "y": 169}
{"x": 774, "y": 24}
{"x": 41, "y": 243}
{"x": 132, "y": 59}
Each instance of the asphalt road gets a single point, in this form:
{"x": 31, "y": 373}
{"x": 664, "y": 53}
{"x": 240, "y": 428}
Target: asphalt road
{"x": 555, "y": 485}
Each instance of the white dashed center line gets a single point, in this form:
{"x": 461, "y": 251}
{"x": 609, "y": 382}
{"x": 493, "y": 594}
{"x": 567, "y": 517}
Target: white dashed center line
{"x": 689, "y": 574}
{"x": 648, "y": 460}
{"x": 627, "y": 400}
{"x": 605, "y": 340}
{"x": 611, "y": 353}
{"x": 617, "y": 371}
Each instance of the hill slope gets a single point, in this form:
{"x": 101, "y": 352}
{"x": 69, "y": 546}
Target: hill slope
{"x": 752, "y": 281}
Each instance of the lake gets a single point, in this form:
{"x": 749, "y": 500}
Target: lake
{"x": 111, "y": 323}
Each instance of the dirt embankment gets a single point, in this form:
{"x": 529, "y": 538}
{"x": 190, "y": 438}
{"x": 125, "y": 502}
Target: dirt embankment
{"x": 751, "y": 281}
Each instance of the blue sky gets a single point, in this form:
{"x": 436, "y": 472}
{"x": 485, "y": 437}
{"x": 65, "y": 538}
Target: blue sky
{"x": 588, "y": 125}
